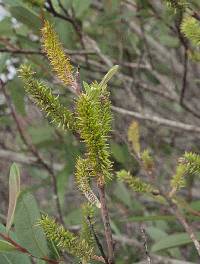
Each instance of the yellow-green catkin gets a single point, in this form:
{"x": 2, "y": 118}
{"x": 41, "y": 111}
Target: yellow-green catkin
{"x": 56, "y": 55}
{"x": 134, "y": 137}
{"x": 66, "y": 240}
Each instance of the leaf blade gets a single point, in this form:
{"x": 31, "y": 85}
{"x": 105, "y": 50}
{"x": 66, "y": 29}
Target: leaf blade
{"x": 14, "y": 190}
{"x": 26, "y": 217}
{"x": 6, "y": 246}
{"x": 172, "y": 241}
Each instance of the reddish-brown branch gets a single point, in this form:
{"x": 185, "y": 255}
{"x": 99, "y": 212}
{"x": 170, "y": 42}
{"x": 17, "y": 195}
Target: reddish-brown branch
{"x": 106, "y": 222}
{"x": 97, "y": 240}
{"x": 25, "y": 251}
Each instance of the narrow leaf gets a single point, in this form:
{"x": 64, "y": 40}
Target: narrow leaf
{"x": 6, "y": 246}
{"x": 14, "y": 190}
{"x": 172, "y": 241}
{"x": 109, "y": 75}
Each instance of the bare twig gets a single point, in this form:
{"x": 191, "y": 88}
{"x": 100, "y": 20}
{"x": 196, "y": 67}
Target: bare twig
{"x": 106, "y": 222}
{"x": 39, "y": 52}
{"x": 158, "y": 120}
{"x": 180, "y": 217}
{"x": 184, "y": 81}
{"x": 145, "y": 244}
{"x": 97, "y": 240}
{"x": 26, "y": 159}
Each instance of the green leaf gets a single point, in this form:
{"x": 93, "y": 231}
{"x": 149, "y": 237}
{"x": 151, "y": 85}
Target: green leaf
{"x": 14, "y": 258}
{"x": 17, "y": 94}
{"x": 6, "y": 246}
{"x": 14, "y": 190}
{"x": 155, "y": 233}
{"x": 152, "y": 218}
{"x": 41, "y": 134}
{"x": 109, "y": 75}
{"x": 81, "y": 7}
{"x": 23, "y": 15}
{"x": 122, "y": 193}
{"x": 3, "y": 58}
{"x": 62, "y": 181}
{"x": 172, "y": 241}
{"x": 168, "y": 218}
{"x": 28, "y": 234}
{"x": 6, "y": 27}
{"x": 121, "y": 154}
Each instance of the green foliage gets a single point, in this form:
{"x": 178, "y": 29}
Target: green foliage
{"x": 134, "y": 183}
{"x": 172, "y": 241}
{"x": 91, "y": 113}
{"x": 12, "y": 257}
{"x": 108, "y": 76}
{"x": 27, "y": 16}
{"x": 92, "y": 120}
{"x": 14, "y": 190}
{"x": 6, "y": 246}
{"x": 28, "y": 235}
{"x": 66, "y": 240}
{"x": 190, "y": 27}
{"x": 44, "y": 98}
{"x": 38, "y": 3}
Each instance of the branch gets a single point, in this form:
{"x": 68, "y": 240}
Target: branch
{"x": 26, "y": 159}
{"x": 180, "y": 217}
{"x": 39, "y": 52}
{"x": 65, "y": 17}
{"x": 184, "y": 80}
{"x": 97, "y": 240}
{"x": 25, "y": 251}
{"x": 20, "y": 51}
{"x": 145, "y": 244}
{"x": 158, "y": 120}
{"x": 106, "y": 222}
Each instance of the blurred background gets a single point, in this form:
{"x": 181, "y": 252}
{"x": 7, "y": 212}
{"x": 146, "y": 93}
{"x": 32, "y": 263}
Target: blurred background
{"x": 158, "y": 84}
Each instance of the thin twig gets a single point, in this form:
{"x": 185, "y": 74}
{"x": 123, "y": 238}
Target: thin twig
{"x": 145, "y": 243}
{"x": 12, "y": 155}
{"x": 185, "y": 45}
{"x": 175, "y": 210}
{"x": 106, "y": 222}
{"x": 39, "y": 52}
{"x": 25, "y": 251}
{"x": 158, "y": 120}
{"x": 97, "y": 240}
{"x": 184, "y": 81}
